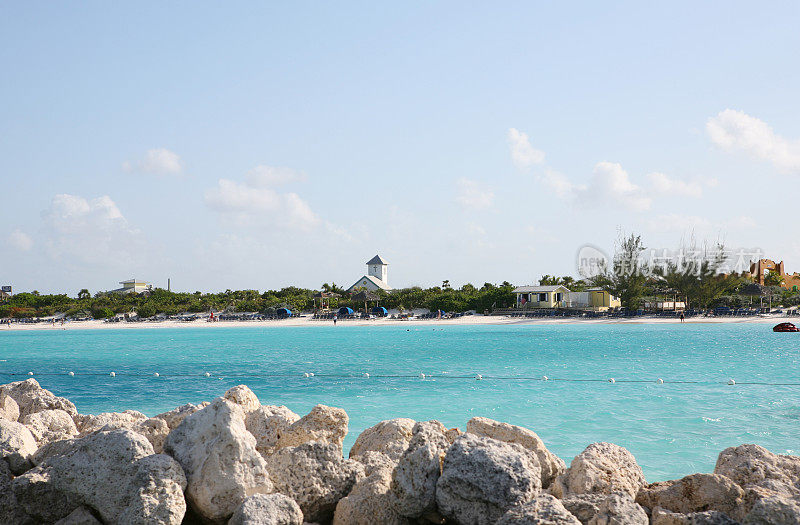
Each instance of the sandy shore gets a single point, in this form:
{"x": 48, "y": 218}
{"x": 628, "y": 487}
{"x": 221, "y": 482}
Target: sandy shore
{"x": 308, "y": 321}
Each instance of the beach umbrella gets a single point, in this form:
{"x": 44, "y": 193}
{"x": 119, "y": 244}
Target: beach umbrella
{"x": 365, "y": 296}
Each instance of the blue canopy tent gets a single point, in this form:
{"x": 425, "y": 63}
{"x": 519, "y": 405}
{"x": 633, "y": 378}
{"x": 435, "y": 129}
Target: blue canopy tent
{"x": 283, "y": 312}
{"x": 380, "y": 311}
{"x": 344, "y": 310}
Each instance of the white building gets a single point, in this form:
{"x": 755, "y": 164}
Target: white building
{"x": 133, "y": 286}
{"x": 377, "y": 277}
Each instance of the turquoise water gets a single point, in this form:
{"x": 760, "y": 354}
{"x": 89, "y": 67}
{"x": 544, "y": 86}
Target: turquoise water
{"x": 672, "y": 429}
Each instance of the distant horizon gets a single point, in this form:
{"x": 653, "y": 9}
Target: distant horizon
{"x": 267, "y": 145}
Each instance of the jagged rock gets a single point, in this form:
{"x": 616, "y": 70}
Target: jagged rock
{"x": 695, "y": 493}
{"x": 244, "y": 397}
{"x": 606, "y": 509}
{"x": 452, "y": 434}
{"x": 154, "y": 429}
{"x": 413, "y": 486}
{"x": 664, "y": 517}
{"x": 390, "y": 437}
{"x": 10, "y": 511}
{"x": 542, "y": 510}
{"x": 370, "y": 500}
{"x": 315, "y": 475}
{"x": 551, "y": 464}
{"x": 752, "y": 465}
{"x": 267, "y": 424}
{"x": 323, "y": 424}
{"x": 32, "y": 398}
{"x": 482, "y": 478}
{"x": 9, "y": 409}
{"x": 50, "y": 425}
{"x": 220, "y": 460}
{"x": 175, "y": 417}
{"x": 267, "y": 509}
{"x": 774, "y": 510}
{"x": 54, "y": 448}
{"x": 17, "y": 445}
{"x": 79, "y": 516}
{"x": 115, "y": 473}
{"x": 602, "y": 468}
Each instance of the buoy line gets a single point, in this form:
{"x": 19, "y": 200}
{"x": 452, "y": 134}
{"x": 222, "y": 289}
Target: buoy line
{"x": 420, "y": 376}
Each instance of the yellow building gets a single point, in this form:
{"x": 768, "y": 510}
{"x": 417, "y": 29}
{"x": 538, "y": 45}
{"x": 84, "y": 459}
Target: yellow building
{"x": 542, "y": 296}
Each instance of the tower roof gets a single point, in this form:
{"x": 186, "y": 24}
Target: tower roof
{"x": 377, "y": 260}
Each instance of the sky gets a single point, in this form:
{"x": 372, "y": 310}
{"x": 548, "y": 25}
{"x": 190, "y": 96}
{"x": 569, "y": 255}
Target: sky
{"x": 258, "y": 145}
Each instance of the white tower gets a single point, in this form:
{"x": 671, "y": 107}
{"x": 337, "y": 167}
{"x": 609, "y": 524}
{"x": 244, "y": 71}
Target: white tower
{"x": 378, "y": 268}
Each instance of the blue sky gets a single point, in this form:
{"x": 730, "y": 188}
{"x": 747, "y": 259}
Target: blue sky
{"x": 249, "y": 145}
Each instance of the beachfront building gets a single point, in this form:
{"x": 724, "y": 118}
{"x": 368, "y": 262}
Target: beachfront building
{"x": 763, "y": 267}
{"x": 133, "y": 286}
{"x": 595, "y": 299}
{"x": 377, "y": 277}
{"x": 554, "y": 296}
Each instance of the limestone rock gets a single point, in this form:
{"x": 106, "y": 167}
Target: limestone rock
{"x": 752, "y": 465}
{"x": 267, "y": 424}
{"x": 602, "y": 468}
{"x": 17, "y": 444}
{"x": 315, "y": 475}
{"x": 9, "y": 409}
{"x": 175, "y": 417}
{"x": 664, "y": 517}
{"x": 10, "y": 511}
{"x": 220, "y": 460}
{"x": 774, "y": 510}
{"x": 413, "y": 486}
{"x": 606, "y": 509}
{"x": 551, "y": 464}
{"x": 542, "y": 510}
{"x": 482, "y": 478}
{"x": 244, "y": 397}
{"x": 154, "y": 429}
{"x": 452, "y": 434}
{"x": 32, "y": 398}
{"x": 79, "y": 516}
{"x": 113, "y": 472}
{"x": 267, "y": 509}
{"x": 390, "y": 437}
{"x": 323, "y": 424}
{"x": 50, "y": 425}
{"x": 370, "y": 499}
{"x": 54, "y": 448}
{"x": 695, "y": 493}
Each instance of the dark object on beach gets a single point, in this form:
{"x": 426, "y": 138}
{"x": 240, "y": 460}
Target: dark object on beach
{"x": 785, "y": 327}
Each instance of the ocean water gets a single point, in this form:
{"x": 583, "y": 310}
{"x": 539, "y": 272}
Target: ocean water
{"x": 673, "y": 429}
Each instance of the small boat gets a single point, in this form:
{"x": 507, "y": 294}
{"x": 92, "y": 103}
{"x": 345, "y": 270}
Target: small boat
{"x": 785, "y": 327}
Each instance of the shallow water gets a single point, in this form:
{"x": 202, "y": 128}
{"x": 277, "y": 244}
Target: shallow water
{"x": 672, "y": 429}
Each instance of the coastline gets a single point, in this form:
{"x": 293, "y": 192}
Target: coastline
{"x": 308, "y": 321}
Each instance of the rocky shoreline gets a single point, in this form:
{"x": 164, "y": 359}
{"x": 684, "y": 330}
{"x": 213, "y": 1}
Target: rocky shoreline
{"x": 235, "y": 461}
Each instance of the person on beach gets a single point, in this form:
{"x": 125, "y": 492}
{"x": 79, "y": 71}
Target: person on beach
{"x": 334, "y": 319}
{"x": 683, "y": 318}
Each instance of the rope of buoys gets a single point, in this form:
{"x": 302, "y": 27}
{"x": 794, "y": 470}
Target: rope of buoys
{"x": 421, "y": 375}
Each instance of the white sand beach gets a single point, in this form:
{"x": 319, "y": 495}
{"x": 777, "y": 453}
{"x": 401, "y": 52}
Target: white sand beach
{"x": 308, "y": 321}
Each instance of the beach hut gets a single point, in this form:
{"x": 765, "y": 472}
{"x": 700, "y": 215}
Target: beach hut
{"x": 365, "y": 296}
{"x": 380, "y": 311}
{"x": 283, "y": 312}
{"x": 345, "y": 310}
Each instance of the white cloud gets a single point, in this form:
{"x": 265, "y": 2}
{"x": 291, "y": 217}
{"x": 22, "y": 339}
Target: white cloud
{"x": 678, "y": 223}
{"x": 666, "y": 185}
{"x": 735, "y": 130}
{"x": 253, "y": 201}
{"x": 522, "y": 153}
{"x": 266, "y": 176}
{"x": 158, "y": 161}
{"x": 610, "y": 184}
{"x": 20, "y": 240}
{"x": 473, "y": 195}
{"x": 559, "y": 183}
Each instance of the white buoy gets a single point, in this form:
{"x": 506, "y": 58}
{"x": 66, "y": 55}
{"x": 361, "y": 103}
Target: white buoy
{"x": 113, "y": 374}
{"x": 156, "y": 374}
{"x": 660, "y": 381}
{"x": 611, "y": 380}
{"x": 421, "y": 375}
{"x": 366, "y": 374}
{"x": 478, "y": 377}
{"x": 207, "y": 374}
{"x": 306, "y": 375}
{"x": 71, "y": 374}
{"x": 311, "y": 374}
{"x": 30, "y": 373}
{"x": 545, "y": 378}
{"x": 731, "y": 382}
